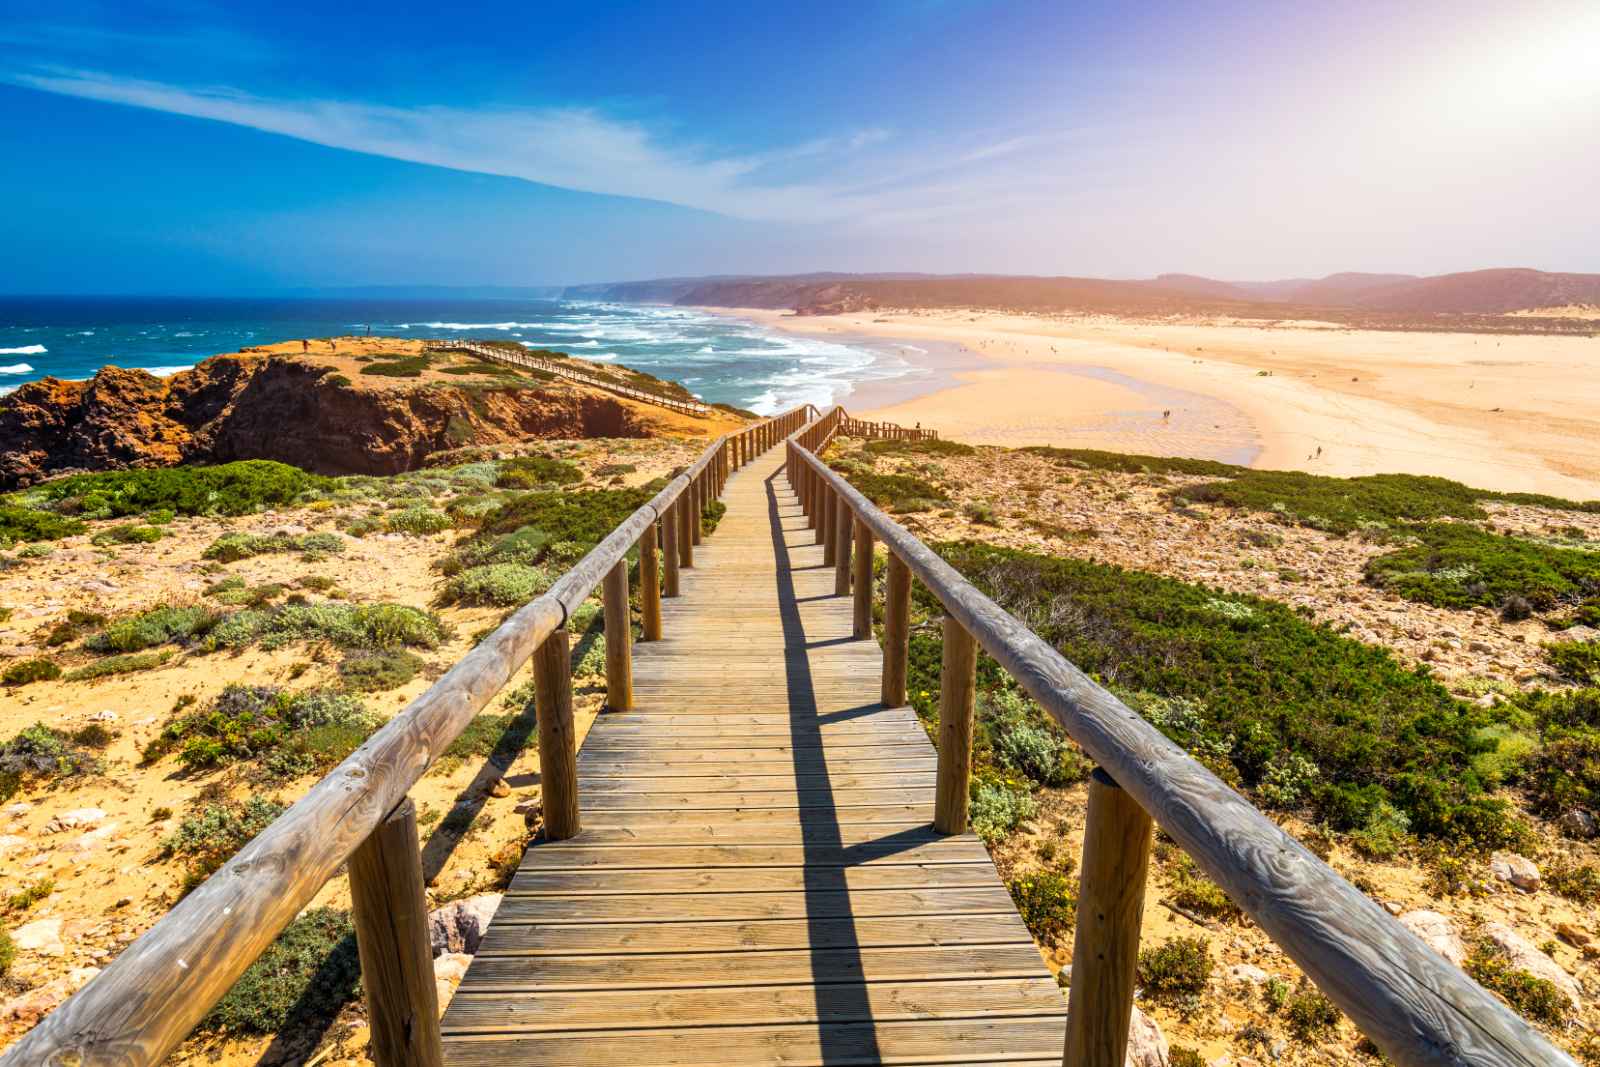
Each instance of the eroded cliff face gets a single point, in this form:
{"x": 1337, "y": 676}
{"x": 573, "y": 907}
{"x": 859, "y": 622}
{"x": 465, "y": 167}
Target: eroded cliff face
{"x": 281, "y": 408}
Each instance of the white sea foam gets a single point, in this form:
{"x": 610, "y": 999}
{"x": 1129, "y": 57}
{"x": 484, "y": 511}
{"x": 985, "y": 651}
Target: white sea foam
{"x": 25, "y": 350}
{"x": 165, "y": 372}
{"x": 470, "y": 325}
{"x": 17, "y": 368}
{"x": 7, "y": 390}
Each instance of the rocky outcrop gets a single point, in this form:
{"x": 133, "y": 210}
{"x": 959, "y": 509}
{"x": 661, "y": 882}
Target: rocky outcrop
{"x": 1523, "y": 955}
{"x": 277, "y": 407}
{"x": 458, "y": 926}
{"x": 1439, "y": 933}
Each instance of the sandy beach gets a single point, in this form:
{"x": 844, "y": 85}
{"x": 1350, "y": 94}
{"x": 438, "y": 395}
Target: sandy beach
{"x": 1507, "y": 412}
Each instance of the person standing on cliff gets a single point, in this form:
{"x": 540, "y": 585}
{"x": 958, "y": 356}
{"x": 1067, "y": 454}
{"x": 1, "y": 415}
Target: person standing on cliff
{"x": 305, "y": 345}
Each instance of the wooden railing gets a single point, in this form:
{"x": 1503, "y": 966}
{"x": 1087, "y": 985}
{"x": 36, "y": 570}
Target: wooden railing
{"x": 155, "y": 992}
{"x": 1421, "y": 1010}
{"x": 561, "y": 370}
{"x": 883, "y": 431}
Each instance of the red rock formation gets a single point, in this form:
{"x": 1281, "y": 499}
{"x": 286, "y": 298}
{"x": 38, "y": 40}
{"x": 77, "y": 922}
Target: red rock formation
{"x": 281, "y": 408}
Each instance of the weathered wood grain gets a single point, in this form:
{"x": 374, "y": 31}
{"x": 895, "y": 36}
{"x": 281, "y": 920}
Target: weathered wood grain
{"x": 958, "y": 683}
{"x": 1105, "y": 952}
{"x": 390, "y": 911}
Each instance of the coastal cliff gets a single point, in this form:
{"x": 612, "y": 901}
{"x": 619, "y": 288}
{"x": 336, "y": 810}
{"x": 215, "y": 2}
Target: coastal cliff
{"x": 284, "y": 407}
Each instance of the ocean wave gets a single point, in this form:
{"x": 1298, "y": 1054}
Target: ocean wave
{"x": 164, "y": 372}
{"x": 7, "y": 390}
{"x": 25, "y": 350}
{"x": 470, "y": 325}
{"x": 17, "y": 368}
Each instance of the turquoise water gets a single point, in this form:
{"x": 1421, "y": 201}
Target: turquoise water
{"x": 721, "y": 360}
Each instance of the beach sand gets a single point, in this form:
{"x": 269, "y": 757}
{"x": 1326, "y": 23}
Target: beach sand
{"x": 1504, "y": 412}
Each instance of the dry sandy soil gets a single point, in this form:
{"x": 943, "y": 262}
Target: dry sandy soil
{"x": 109, "y": 881}
{"x": 1506, "y": 412}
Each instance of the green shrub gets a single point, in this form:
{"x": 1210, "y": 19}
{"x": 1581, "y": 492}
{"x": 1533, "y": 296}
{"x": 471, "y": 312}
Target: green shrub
{"x": 1573, "y": 880}
{"x": 128, "y": 534}
{"x": 124, "y": 664}
{"x": 1384, "y": 834}
{"x": 382, "y": 626}
{"x": 208, "y": 839}
{"x": 1534, "y": 998}
{"x": 584, "y": 517}
{"x": 711, "y": 515}
{"x": 376, "y": 672}
{"x": 27, "y": 671}
{"x": 235, "y": 592}
{"x": 1458, "y": 565}
{"x": 310, "y": 971}
{"x": 1175, "y": 970}
{"x": 1578, "y": 661}
{"x": 1198, "y": 894}
{"x": 1564, "y": 772}
{"x": 1047, "y": 903}
{"x": 417, "y": 521}
{"x": 26, "y": 524}
{"x": 1312, "y": 1017}
{"x": 532, "y": 472}
{"x": 398, "y": 367}
{"x": 39, "y": 754}
{"x": 998, "y": 809}
{"x": 232, "y": 547}
{"x": 496, "y": 585}
{"x": 1181, "y": 1056}
{"x": 257, "y": 722}
{"x": 1254, "y": 687}
{"x": 1016, "y": 730}
{"x": 904, "y": 493}
{"x": 1093, "y": 459}
{"x": 74, "y": 626}
{"x": 933, "y": 447}
{"x": 165, "y": 624}
{"x": 500, "y": 738}
{"x": 230, "y": 489}
{"x": 8, "y": 953}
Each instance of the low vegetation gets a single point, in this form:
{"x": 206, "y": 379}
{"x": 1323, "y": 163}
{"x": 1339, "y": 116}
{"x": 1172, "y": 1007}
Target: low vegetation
{"x": 1176, "y": 970}
{"x": 1459, "y": 565}
{"x": 208, "y": 839}
{"x": 230, "y": 489}
{"x": 309, "y": 972}
{"x": 41, "y": 755}
{"x": 1047, "y": 902}
{"x": 232, "y": 547}
{"x": 1243, "y": 684}
{"x": 1533, "y": 997}
{"x": 129, "y": 663}
{"x": 536, "y": 472}
{"x": 285, "y": 733}
{"x": 27, "y": 671}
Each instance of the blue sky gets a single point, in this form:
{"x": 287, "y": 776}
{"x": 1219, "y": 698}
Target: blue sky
{"x": 191, "y": 147}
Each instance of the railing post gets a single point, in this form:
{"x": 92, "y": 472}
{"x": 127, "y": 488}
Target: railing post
{"x": 1105, "y": 946}
{"x": 619, "y": 638}
{"x": 699, "y": 507}
{"x": 822, "y": 516}
{"x": 391, "y": 918}
{"x": 828, "y": 528}
{"x": 686, "y": 519}
{"x": 558, "y": 748}
{"x": 957, "y": 684}
{"x": 669, "y": 549}
{"x": 650, "y": 585}
{"x": 861, "y": 625}
{"x": 841, "y": 547}
{"x": 896, "y": 631}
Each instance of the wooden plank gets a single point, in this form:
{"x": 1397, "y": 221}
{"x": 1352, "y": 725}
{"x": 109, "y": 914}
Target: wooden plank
{"x": 539, "y": 882}
{"x": 691, "y": 907}
{"x": 633, "y": 856}
{"x": 611, "y": 1009}
{"x": 834, "y": 1045}
{"x": 644, "y": 937}
{"x": 701, "y": 970}
{"x": 801, "y": 779}
{"x": 811, "y": 799}
{"x": 736, "y": 820}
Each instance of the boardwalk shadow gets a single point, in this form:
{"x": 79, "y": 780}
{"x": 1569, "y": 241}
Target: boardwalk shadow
{"x": 844, "y": 1010}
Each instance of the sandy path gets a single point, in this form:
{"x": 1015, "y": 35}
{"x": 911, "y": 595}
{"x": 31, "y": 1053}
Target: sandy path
{"x": 1499, "y": 412}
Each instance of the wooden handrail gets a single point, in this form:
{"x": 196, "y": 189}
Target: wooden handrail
{"x": 153, "y": 994}
{"x": 528, "y": 359}
{"x": 1421, "y": 1010}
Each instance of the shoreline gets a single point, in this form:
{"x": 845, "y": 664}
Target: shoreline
{"x": 1509, "y": 413}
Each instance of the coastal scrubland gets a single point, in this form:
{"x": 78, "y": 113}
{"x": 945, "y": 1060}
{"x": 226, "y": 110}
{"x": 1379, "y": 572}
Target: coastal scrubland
{"x": 164, "y": 696}
{"x": 1399, "y": 669}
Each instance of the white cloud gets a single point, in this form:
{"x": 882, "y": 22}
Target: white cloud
{"x": 570, "y": 147}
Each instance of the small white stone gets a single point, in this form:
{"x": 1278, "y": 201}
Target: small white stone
{"x": 1518, "y": 870}
{"x": 42, "y": 936}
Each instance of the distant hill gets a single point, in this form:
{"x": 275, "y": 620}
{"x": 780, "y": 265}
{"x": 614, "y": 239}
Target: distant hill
{"x": 1485, "y": 292}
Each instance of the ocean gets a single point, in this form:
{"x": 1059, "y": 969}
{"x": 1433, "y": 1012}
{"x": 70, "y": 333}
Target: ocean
{"x": 720, "y": 359}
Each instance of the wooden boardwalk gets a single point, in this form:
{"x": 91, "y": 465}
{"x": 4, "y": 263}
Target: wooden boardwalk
{"x": 757, "y": 880}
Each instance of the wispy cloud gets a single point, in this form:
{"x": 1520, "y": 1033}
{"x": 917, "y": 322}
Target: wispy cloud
{"x": 576, "y": 148}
